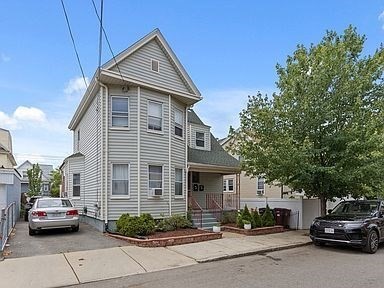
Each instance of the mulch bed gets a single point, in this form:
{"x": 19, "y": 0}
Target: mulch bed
{"x": 170, "y": 238}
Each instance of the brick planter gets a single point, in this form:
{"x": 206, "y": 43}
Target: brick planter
{"x": 170, "y": 241}
{"x": 255, "y": 231}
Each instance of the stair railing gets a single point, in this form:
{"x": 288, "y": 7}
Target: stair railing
{"x": 197, "y": 212}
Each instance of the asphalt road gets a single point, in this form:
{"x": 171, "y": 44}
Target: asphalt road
{"x": 309, "y": 266}
{"x": 57, "y": 241}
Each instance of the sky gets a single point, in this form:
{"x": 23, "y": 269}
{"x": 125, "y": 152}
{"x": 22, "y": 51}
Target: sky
{"x": 229, "y": 48}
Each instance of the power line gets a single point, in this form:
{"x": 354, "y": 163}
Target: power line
{"x": 106, "y": 38}
{"x": 73, "y": 42}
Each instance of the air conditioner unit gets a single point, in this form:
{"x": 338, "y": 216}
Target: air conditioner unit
{"x": 155, "y": 192}
{"x": 260, "y": 192}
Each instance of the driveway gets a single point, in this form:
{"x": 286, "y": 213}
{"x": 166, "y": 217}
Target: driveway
{"x": 57, "y": 241}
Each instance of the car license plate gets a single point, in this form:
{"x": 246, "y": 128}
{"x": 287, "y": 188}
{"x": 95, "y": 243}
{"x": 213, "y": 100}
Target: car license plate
{"x": 329, "y": 230}
{"x": 56, "y": 214}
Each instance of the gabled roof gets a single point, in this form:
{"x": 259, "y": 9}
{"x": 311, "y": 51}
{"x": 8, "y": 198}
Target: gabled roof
{"x": 193, "y": 118}
{"x": 107, "y": 75}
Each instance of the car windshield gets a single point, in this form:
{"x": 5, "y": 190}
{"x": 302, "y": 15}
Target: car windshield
{"x": 45, "y": 203}
{"x": 355, "y": 208}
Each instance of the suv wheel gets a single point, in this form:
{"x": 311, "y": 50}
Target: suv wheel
{"x": 372, "y": 242}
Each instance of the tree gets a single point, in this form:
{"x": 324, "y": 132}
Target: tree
{"x": 323, "y": 133}
{"x": 56, "y": 182}
{"x": 34, "y": 177}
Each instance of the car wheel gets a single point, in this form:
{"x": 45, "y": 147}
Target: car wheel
{"x": 372, "y": 242}
{"x": 31, "y": 231}
{"x": 76, "y": 228}
{"x": 26, "y": 216}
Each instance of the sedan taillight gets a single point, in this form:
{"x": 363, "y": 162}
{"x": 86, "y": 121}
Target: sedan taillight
{"x": 72, "y": 212}
{"x": 39, "y": 213}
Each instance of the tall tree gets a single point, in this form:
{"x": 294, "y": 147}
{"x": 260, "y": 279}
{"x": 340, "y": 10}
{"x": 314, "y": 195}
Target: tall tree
{"x": 56, "y": 182}
{"x": 323, "y": 133}
{"x": 34, "y": 177}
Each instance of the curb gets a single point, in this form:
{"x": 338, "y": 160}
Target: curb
{"x": 258, "y": 252}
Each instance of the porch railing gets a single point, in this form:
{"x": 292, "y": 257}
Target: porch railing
{"x": 197, "y": 212}
{"x": 225, "y": 200}
{"x": 7, "y": 222}
{"x": 214, "y": 205}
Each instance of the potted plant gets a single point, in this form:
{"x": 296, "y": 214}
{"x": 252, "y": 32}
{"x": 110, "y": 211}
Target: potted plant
{"x": 216, "y": 228}
{"x": 247, "y": 224}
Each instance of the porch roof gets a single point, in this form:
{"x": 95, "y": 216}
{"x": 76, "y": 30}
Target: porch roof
{"x": 217, "y": 160}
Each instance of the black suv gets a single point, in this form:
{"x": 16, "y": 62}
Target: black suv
{"x": 357, "y": 223}
{"x": 29, "y": 205}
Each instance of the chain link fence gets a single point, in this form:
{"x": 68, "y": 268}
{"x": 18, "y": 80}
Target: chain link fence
{"x": 7, "y": 222}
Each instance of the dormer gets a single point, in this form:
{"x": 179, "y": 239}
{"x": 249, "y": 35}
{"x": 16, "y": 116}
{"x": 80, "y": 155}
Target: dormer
{"x": 199, "y": 134}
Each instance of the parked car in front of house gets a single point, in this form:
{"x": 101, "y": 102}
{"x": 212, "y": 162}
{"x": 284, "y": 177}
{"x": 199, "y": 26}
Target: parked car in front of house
{"x": 52, "y": 213}
{"x": 356, "y": 223}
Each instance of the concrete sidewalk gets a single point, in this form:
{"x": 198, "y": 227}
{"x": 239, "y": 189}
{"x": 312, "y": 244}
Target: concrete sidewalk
{"x": 94, "y": 265}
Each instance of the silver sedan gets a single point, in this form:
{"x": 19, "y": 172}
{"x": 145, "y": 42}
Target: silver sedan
{"x": 51, "y": 213}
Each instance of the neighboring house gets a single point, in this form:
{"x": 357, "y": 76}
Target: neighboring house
{"x": 252, "y": 187}
{"x": 138, "y": 147}
{"x": 46, "y": 177}
{"x": 9, "y": 177}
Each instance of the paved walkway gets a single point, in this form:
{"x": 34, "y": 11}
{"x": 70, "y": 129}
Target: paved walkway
{"x": 93, "y": 265}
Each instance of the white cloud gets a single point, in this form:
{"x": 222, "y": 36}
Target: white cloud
{"x": 381, "y": 18}
{"x": 7, "y": 121}
{"x": 220, "y": 108}
{"x": 30, "y": 114}
{"x": 4, "y": 58}
{"x": 75, "y": 88}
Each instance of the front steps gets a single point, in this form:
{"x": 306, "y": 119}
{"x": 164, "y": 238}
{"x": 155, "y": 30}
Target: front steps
{"x": 208, "y": 220}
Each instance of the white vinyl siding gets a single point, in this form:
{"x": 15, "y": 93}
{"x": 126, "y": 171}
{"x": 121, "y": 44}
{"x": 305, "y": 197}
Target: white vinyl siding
{"x": 155, "y": 116}
{"x": 120, "y": 111}
{"x": 179, "y": 182}
{"x": 199, "y": 135}
{"x": 120, "y": 180}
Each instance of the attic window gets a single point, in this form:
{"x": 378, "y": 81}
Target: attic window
{"x": 155, "y": 65}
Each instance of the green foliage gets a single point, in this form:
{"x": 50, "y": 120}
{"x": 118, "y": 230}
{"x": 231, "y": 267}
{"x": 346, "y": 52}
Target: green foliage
{"x": 257, "y": 219}
{"x": 135, "y": 226}
{"x": 34, "y": 177}
{"x": 56, "y": 182}
{"x": 244, "y": 216}
{"x": 173, "y": 222}
{"x": 267, "y": 218}
{"x": 323, "y": 133}
{"x": 229, "y": 217}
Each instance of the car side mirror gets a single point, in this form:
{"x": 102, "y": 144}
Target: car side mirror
{"x": 329, "y": 211}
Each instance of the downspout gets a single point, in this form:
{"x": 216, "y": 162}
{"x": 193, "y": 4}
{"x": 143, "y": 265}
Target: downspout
{"x": 186, "y": 159}
{"x": 104, "y": 150}
{"x": 169, "y": 154}
{"x": 138, "y": 150}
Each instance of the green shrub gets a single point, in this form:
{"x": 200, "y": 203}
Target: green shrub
{"x": 257, "y": 219}
{"x": 173, "y": 222}
{"x": 239, "y": 219}
{"x": 137, "y": 225}
{"x": 229, "y": 217}
{"x": 267, "y": 218}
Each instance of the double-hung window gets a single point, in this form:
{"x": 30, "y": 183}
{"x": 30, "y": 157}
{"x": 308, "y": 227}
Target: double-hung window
{"x": 260, "y": 185}
{"x": 200, "y": 139}
{"x": 228, "y": 185}
{"x": 155, "y": 180}
{"x": 120, "y": 111}
{"x": 76, "y": 185}
{"x": 155, "y": 116}
{"x": 178, "y": 182}
{"x": 120, "y": 179}
{"x": 179, "y": 122}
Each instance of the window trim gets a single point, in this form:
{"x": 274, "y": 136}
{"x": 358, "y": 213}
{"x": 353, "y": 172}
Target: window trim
{"x": 162, "y": 117}
{"x": 226, "y": 185}
{"x": 182, "y": 183}
{"x": 197, "y": 146}
{"x": 257, "y": 186}
{"x": 158, "y": 65}
{"x": 77, "y": 185}
{"x": 128, "y": 113}
{"x": 178, "y": 125}
{"x": 121, "y": 196}
{"x": 162, "y": 181}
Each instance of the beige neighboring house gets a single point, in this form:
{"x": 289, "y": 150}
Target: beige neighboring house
{"x": 9, "y": 177}
{"x": 251, "y": 187}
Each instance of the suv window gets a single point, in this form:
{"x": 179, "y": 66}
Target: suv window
{"x": 356, "y": 208}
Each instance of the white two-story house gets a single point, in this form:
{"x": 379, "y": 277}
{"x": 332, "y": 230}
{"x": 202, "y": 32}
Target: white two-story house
{"x": 138, "y": 147}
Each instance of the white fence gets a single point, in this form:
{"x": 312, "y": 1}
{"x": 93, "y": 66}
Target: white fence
{"x": 303, "y": 211}
{"x": 7, "y": 222}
